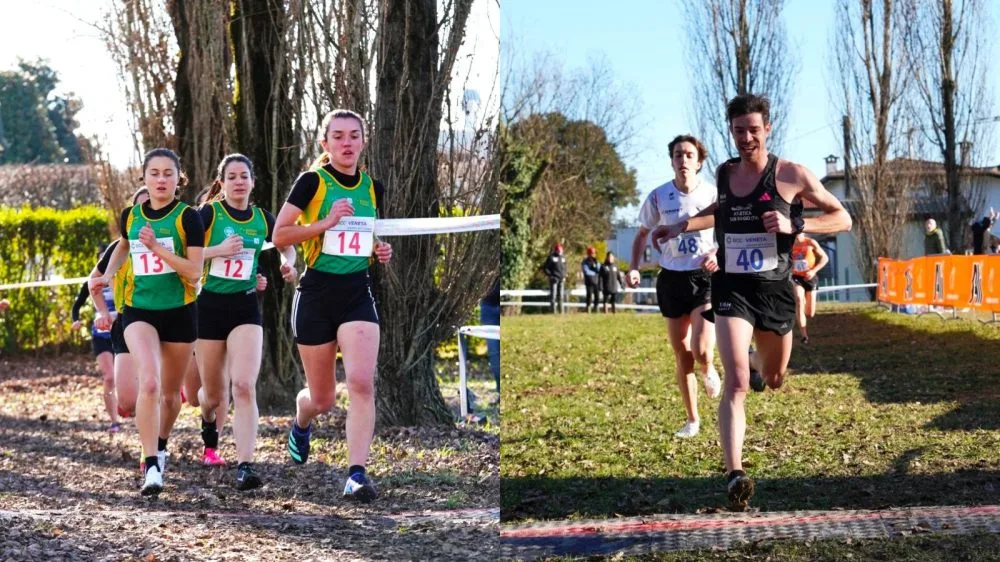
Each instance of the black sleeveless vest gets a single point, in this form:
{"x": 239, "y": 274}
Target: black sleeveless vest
{"x": 742, "y": 215}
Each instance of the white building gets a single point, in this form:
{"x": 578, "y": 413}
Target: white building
{"x": 844, "y": 267}
{"x": 842, "y": 248}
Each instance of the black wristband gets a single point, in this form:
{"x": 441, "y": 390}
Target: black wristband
{"x": 798, "y": 225}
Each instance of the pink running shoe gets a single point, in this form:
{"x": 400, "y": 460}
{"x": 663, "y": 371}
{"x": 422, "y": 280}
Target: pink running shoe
{"x": 211, "y": 458}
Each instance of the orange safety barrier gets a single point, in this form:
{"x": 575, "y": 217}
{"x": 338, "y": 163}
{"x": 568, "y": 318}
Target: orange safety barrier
{"x": 953, "y": 281}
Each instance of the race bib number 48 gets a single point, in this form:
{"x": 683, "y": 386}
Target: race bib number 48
{"x": 237, "y": 268}
{"x": 751, "y": 253}
{"x": 353, "y": 237}
{"x": 145, "y": 262}
{"x": 685, "y": 246}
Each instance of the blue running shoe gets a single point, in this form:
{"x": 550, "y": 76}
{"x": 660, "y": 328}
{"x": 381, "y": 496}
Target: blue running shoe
{"x": 298, "y": 443}
{"x": 360, "y": 488}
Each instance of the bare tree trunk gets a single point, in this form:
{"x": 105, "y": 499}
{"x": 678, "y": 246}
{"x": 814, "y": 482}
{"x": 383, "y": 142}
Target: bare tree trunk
{"x": 404, "y": 142}
{"x": 202, "y": 123}
{"x": 745, "y": 47}
{"x": 871, "y": 72}
{"x": 945, "y": 42}
{"x": 264, "y": 132}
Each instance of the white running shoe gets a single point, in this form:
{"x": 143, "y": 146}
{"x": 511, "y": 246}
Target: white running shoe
{"x": 713, "y": 384}
{"x": 161, "y": 459}
{"x": 690, "y": 429}
{"x": 154, "y": 482}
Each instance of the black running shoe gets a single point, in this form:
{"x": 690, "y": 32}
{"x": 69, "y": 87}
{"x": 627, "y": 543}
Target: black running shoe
{"x": 359, "y": 488}
{"x": 757, "y": 381}
{"x": 740, "y": 490}
{"x": 805, "y": 340}
{"x": 246, "y": 477}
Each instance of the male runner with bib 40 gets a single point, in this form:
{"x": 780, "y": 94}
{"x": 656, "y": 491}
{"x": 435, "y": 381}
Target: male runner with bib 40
{"x": 752, "y": 293}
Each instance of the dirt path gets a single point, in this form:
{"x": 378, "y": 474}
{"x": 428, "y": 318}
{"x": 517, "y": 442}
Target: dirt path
{"x": 69, "y": 490}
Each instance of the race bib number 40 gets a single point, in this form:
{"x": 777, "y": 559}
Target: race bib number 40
{"x": 353, "y": 237}
{"x": 145, "y": 262}
{"x": 236, "y": 268}
{"x": 751, "y": 253}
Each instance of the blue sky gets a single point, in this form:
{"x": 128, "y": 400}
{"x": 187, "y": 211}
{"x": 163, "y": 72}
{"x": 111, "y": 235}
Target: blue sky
{"x": 643, "y": 42}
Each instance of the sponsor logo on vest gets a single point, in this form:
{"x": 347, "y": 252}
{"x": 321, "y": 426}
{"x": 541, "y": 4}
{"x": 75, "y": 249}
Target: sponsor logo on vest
{"x": 229, "y": 231}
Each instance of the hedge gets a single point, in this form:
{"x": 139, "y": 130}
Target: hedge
{"x": 37, "y": 244}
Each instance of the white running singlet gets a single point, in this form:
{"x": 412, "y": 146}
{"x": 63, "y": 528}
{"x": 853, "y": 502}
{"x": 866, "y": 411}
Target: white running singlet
{"x": 666, "y": 206}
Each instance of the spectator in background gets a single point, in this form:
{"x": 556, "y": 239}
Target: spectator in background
{"x": 4, "y": 305}
{"x": 933, "y": 239}
{"x": 489, "y": 314}
{"x": 612, "y": 281}
{"x": 555, "y": 270}
{"x": 591, "y": 278}
{"x": 981, "y": 231}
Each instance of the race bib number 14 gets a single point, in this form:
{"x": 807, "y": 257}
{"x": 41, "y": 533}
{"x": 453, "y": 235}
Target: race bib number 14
{"x": 352, "y": 237}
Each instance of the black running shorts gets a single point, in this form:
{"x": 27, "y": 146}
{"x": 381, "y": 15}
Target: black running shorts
{"x": 766, "y": 305}
{"x": 174, "y": 325}
{"x": 808, "y": 284}
{"x": 219, "y": 314}
{"x": 100, "y": 345}
{"x": 680, "y": 292}
{"x": 118, "y": 336}
{"x": 322, "y": 304}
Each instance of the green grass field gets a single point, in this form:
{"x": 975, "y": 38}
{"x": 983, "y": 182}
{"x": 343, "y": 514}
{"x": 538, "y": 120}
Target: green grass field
{"x": 880, "y": 410}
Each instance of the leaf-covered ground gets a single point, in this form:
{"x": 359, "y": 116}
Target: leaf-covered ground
{"x": 69, "y": 490}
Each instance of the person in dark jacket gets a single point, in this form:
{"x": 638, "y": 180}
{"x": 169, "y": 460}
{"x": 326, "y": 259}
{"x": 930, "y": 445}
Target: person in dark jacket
{"x": 555, "y": 270}
{"x": 489, "y": 313}
{"x": 934, "y": 243}
{"x": 980, "y": 232}
{"x": 591, "y": 278}
{"x": 612, "y": 281}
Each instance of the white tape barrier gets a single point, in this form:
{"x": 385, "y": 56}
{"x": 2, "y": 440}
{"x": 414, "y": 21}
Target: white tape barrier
{"x": 845, "y": 287}
{"x": 581, "y": 305}
{"x": 436, "y": 225}
{"x": 651, "y": 290}
{"x": 571, "y": 292}
{"x": 46, "y": 283}
{"x": 481, "y": 331}
{"x": 383, "y": 227}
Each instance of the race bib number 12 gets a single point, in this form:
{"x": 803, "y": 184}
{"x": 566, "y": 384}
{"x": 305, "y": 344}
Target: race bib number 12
{"x": 237, "y": 268}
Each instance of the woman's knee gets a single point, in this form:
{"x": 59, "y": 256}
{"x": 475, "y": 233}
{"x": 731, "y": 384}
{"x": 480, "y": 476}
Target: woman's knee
{"x": 172, "y": 400}
{"x": 244, "y": 390}
{"x": 361, "y": 386}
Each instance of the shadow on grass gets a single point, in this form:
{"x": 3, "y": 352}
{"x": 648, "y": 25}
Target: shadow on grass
{"x": 926, "y": 360}
{"x": 578, "y": 497}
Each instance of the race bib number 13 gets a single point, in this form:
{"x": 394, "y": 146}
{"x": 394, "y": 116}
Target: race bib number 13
{"x": 352, "y": 237}
{"x": 145, "y": 262}
{"x": 751, "y": 253}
